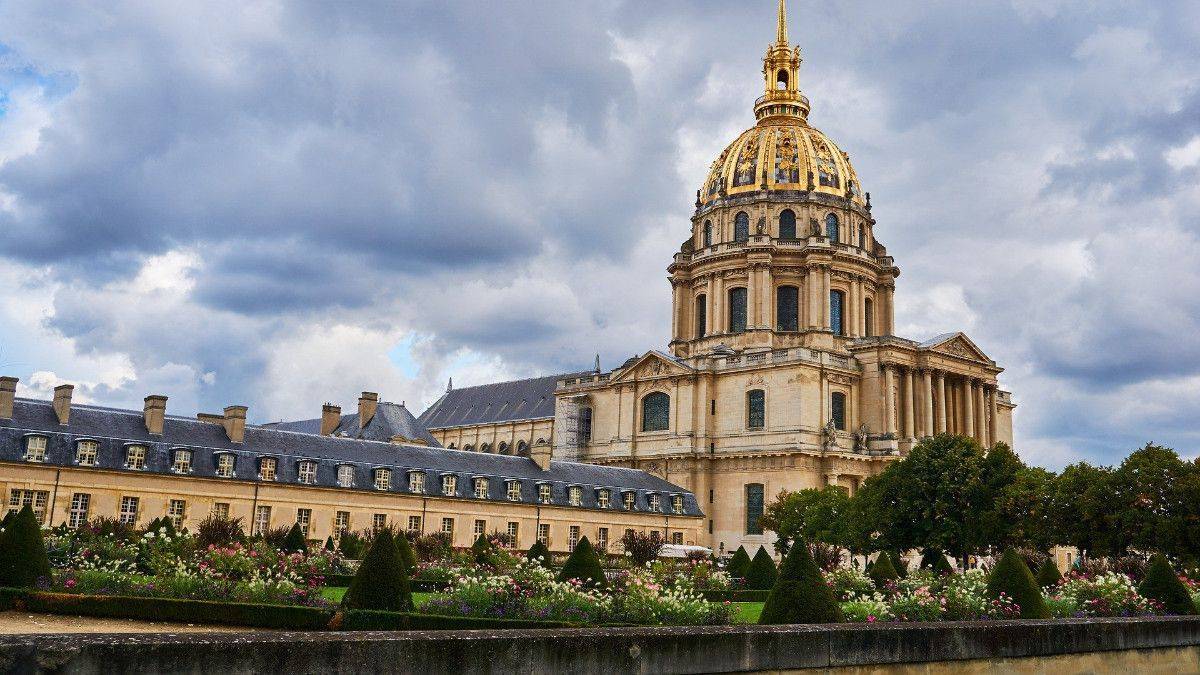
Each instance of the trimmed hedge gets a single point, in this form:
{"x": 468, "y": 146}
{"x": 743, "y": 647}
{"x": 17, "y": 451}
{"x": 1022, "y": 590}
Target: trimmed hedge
{"x": 745, "y": 595}
{"x": 181, "y": 611}
{"x": 23, "y": 552}
{"x": 762, "y": 573}
{"x": 405, "y": 550}
{"x": 1048, "y": 574}
{"x": 584, "y": 566}
{"x": 882, "y": 571}
{"x": 365, "y": 619}
{"x": 294, "y": 542}
{"x": 381, "y": 582}
{"x": 739, "y": 564}
{"x": 1012, "y": 577}
{"x": 1162, "y": 584}
{"x": 539, "y": 553}
{"x": 801, "y": 594}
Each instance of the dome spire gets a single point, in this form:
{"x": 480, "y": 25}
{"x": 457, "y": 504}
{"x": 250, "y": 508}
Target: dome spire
{"x": 781, "y": 36}
{"x": 781, "y": 74}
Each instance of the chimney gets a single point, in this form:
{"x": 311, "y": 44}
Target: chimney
{"x": 154, "y": 412}
{"x": 331, "y": 417}
{"x": 62, "y": 402}
{"x": 235, "y": 423}
{"x": 8, "y": 391}
{"x": 540, "y": 454}
{"x": 367, "y": 403}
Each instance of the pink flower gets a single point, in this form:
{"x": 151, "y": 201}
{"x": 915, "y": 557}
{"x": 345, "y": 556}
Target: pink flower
{"x": 871, "y": 618}
{"x": 70, "y": 583}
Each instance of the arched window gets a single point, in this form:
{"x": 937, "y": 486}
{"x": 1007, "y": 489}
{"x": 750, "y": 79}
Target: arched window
{"x": 741, "y": 227}
{"x": 522, "y": 449}
{"x": 862, "y": 236}
{"x": 831, "y": 227}
{"x": 754, "y": 507}
{"x": 486, "y": 447}
{"x": 787, "y": 224}
{"x": 737, "y": 310}
{"x": 837, "y": 409}
{"x": 585, "y": 424}
{"x": 837, "y": 300}
{"x": 756, "y": 409}
{"x": 450, "y": 447}
{"x": 503, "y": 448}
{"x": 781, "y": 80}
{"x": 869, "y": 316}
{"x": 656, "y": 412}
{"x": 707, "y": 233}
{"x": 787, "y": 308}
{"x": 701, "y": 315}
{"x": 469, "y": 448}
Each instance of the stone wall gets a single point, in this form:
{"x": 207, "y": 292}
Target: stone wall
{"x": 1095, "y": 645}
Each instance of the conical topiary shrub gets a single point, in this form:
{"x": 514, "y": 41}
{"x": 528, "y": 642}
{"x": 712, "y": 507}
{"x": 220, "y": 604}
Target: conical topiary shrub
{"x": 898, "y": 565}
{"x": 329, "y": 544}
{"x": 935, "y": 561}
{"x": 800, "y": 594}
{"x": 942, "y": 567}
{"x": 883, "y": 571}
{"x": 739, "y": 564}
{"x": 584, "y": 566}
{"x": 381, "y": 582}
{"x": 1048, "y": 574}
{"x": 404, "y": 549}
{"x": 762, "y": 573}
{"x": 7, "y": 520}
{"x": 23, "y": 552}
{"x": 1012, "y": 577}
{"x": 294, "y": 543}
{"x": 1162, "y": 584}
{"x": 539, "y": 553}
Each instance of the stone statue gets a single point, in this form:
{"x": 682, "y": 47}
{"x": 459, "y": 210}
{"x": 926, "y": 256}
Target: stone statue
{"x": 762, "y": 225}
{"x": 829, "y": 436}
{"x": 860, "y": 439}
{"x": 814, "y": 228}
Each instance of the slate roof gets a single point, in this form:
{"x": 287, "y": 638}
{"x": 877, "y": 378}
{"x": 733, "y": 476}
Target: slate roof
{"x": 390, "y": 419}
{"x": 511, "y": 401}
{"x": 937, "y": 339}
{"x": 115, "y": 429}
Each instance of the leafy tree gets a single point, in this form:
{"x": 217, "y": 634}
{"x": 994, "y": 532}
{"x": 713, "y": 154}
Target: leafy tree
{"x": 816, "y": 515}
{"x": 23, "y": 557}
{"x": 405, "y": 551}
{"x": 1080, "y": 506}
{"x": 381, "y": 582}
{"x": 539, "y": 553}
{"x": 1162, "y": 584}
{"x": 641, "y": 547}
{"x": 583, "y": 565}
{"x": 762, "y": 573}
{"x": 1142, "y": 490}
{"x": 739, "y": 564}
{"x": 1012, "y": 577}
{"x": 1022, "y": 508}
{"x": 883, "y": 571}
{"x": 294, "y": 543}
{"x": 800, "y": 595}
{"x": 1048, "y": 574}
{"x": 216, "y": 530}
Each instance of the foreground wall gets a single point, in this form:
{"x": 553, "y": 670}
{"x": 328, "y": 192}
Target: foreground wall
{"x": 1093, "y": 645}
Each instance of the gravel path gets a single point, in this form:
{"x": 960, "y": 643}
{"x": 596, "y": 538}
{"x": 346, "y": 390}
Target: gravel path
{"x": 23, "y": 623}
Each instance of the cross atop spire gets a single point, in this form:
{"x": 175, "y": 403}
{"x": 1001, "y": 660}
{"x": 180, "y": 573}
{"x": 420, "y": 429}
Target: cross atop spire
{"x": 781, "y": 36}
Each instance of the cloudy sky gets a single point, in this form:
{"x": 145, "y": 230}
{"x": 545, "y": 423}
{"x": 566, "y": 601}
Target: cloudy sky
{"x": 283, "y": 203}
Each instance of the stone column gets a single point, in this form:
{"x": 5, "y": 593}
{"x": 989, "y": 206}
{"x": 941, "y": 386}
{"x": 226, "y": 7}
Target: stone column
{"x": 889, "y": 399}
{"x": 710, "y": 300}
{"x": 969, "y": 406}
{"x": 927, "y": 392}
{"x": 994, "y": 429}
{"x": 941, "y": 402}
{"x": 752, "y": 296}
{"x": 677, "y": 318}
{"x": 826, "y": 323}
{"x": 981, "y": 416}
{"x": 812, "y": 284}
{"x": 769, "y": 320}
{"x": 890, "y": 316}
{"x": 719, "y": 301}
{"x": 909, "y": 427}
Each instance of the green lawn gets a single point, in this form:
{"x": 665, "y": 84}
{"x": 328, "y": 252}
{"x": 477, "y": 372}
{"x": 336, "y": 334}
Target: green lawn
{"x": 335, "y": 593}
{"x": 747, "y": 612}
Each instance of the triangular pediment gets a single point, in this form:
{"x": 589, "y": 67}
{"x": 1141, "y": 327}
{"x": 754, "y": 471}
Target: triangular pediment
{"x": 652, "y": 364}
{"x": 956, "y": 344}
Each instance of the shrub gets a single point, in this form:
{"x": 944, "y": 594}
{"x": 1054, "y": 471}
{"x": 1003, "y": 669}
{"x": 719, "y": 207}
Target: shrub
{"x": 800, "y": 595}
{"x": 213, "y": 531}
{"x": 329, "y": 544}
{"x": 1048, "y": 574}
{"x": 381, "y": 581}
{"x": 849, "y": 584}
{"x": 762, "y": 574}
{"x": 883, "y": 571}
{"x": 641, "y": 547}
{"x": 539, "y": 554}
{"x": 584, "y": 566}
{"x": 1012, "y": 578}
{"x": 1108, "y": 594}
{"x": 432, "y": 547}
{"x": 1162, "y": 584}
{"x": 1133, "y": 566}
{"x": 898, "y": 565}
{"x": 1033, "y": 558}
{"x": 482, "y": 549}
{"x": 294, "y": 541}
{"x": 405, "y": 551}
{"x": 353, "y": 545}
{"x": 364, "y": 619}
{"x": 190, "y": 611}
{"x": 739, "y": 564}
{"x": 23, "y": 557}
{"x": 935, "y": 561}
{"x": 826, "y": 556}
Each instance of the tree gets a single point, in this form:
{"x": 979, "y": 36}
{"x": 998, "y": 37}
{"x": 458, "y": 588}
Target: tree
{"x": 1023, "y": 511}
{"x": 883, "y": 571}
{"x": 381, "y": 582}
{"x": 800, "y": 595}
{"x": 1145, "y": 499}
{"x": 1012, "y": 578}
{"x": 405, "y": 551}
{"x": 1048, "y": 574}
{"x": 739, "y": 564}
{"x": 23, "y": 557}
{"x": 762, "y": 573}
{"x": 1079, "y": 508}
{"x": 1162, "y": 584}
{"x": 294, "y": 543}
{"x": 641, "y": 547}
{"x": 816, "y": 515}
{"x": 584, "y": 566}
{"x": 539, "y": 553}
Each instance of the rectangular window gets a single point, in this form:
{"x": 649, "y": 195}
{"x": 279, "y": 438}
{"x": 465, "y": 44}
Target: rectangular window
{"x": 754, "y": 508}
{"x": 481, "y": 488}
{"x": 630, "y": 500}
{"x": 655, "y": 535}
{"x": 787, "y": 308}
{"x": 225, "y": 465}
{"x": 78, "y": 515}
{"x": 573, "y": 538}
{"x": 129, "y": 510}
{"x": 544, "y": 493}
{"x": 221, "y": 510}
{"x": 341, "y": 524}
{"x": 449, "y": 485}
{"x": 448, "y": 526}
{"x": 514, "y": 491}
{"x": 655, "y": 502}
{"x": 416, "y": 482}
{"x": 307, "y": 473}
{"x": 837, "y": 300}
{"x": 701, "y": 315}
{"x": 737, "y": 310}
{"x": 756, "y": 409}
{"x": 262, "y": 519}
{"x": 514, "y": 529}
{"x": 575, "y": 495}
{"x": 345, "y": 476}
{"x": 34, "y": 499}
{"x": 602, "y": 538}
{"x": 677, "y": 504}
{"x": 869, "y": 317}
{"x": 35, "y": 449}
{"x": 479, "y": 528}
{"x": 266, "y": 468}
{"x": 602, "y": 498}
{"x": 677, "y": 538}
{"x": 628, "y": 532}
{"x": 837, "y": 410}
{"x": 378, "y": 522}
{"x": 183, "y": 461}
{"x": 383, "y": 479}
{"x": 414, "y": 523}
{"x": 304, "y": 520}
{"x": 176, "y": 510}
{"x": 85, "y": 453}
{"x": 135, "y": 457}
{"x": 544, "y": 533}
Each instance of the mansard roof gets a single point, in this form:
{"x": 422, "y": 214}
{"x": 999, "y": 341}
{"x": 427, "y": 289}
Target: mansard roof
{"x": 390, "y": 420}
{"x": 510, "y": 401}
{"x": 115, "y": 429}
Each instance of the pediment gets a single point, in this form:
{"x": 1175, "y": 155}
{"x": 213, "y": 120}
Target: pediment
{"x": 652, "y": 364}
{"x": 958, "y": 345}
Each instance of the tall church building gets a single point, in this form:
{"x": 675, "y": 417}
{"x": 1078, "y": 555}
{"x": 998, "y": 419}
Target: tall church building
{"x": 783, "y": 371}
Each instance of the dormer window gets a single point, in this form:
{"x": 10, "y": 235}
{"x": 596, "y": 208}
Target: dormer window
{"x": 513, "y": 491}
{"x": 416, "y": 482}
{"x": 544, "y": 493}
{"x": 306, "y": 472}
{"x": 677, "y": 504}
{"x": 575, "y": 495}
{"x": 266, "y": 468}
{"x": 481, "y": 488}
{"x": 449, "y": 485}
{"x": 182, "y": 462}
{"x": 225, "y": 465}
{"x": 655, "y": 502}
{"x": 603, "y": 497}
{"x": 85, "y": 453}
{"x": 35, "y": 449}
{"x": 630, "y": 500}
{"x": 135, "y": 457}
{"x": 383, "y": 479}
{"x": 345, "y": 476}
